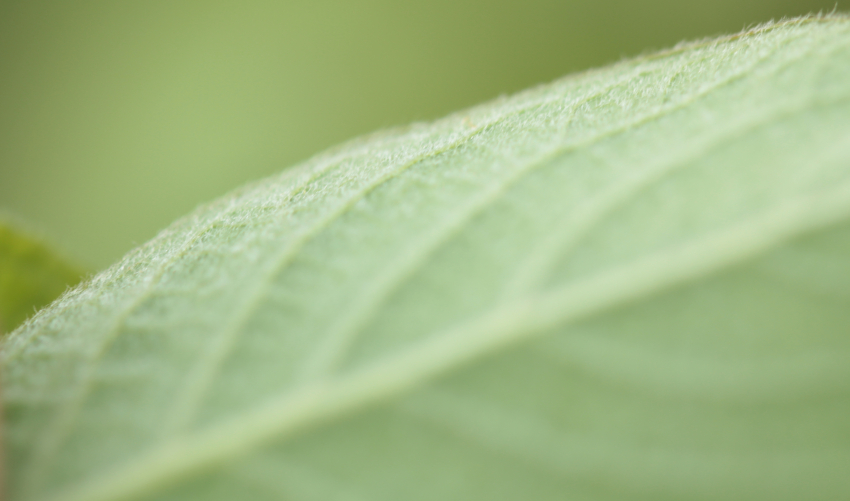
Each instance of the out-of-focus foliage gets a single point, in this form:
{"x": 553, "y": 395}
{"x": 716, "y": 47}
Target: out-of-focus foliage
{"x": 117, "y": 117}
{"x": 626, "y": 285}
{"x": 31, "y": 275}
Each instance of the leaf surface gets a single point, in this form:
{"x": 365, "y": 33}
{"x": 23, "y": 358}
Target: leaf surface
{"x": 627, "y": 284}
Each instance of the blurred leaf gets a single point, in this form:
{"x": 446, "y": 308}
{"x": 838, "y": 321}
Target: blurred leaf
{"x": 31, "y": 275}
{"x": 118, "y": 117}
{"x": 628, "y": 284}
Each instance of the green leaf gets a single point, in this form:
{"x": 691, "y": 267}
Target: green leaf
{"x": 31, "y": 275}
{"x": 632, "y": 283}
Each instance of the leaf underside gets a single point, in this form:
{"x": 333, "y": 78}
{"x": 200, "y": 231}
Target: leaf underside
{"x": 631, "y": 283}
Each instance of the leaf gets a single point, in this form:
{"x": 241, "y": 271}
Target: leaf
{"x": 628, "y": 284}
{"x": 31, "y": 275}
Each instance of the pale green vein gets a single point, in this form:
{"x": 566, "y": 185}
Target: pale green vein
{"x": 822, "y": 276}
{"x": 630, "y": 466}
{"x": 576, "y": 223}
{"x": 283, "y": 478}
{"x": 461, "y": 345}
{"x": 695, "y": 377}
{"x": 368, "y": 300}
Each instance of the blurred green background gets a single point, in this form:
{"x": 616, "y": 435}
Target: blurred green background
{"x": 117, "y": 117}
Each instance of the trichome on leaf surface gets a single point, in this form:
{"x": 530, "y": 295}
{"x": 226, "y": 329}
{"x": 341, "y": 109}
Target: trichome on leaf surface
{"x": 631, "y": 283}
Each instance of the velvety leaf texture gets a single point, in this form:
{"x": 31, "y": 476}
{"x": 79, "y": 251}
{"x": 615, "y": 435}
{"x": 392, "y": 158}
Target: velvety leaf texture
{"x": 31, "y": 275}
{"x": 632, "y": 283}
